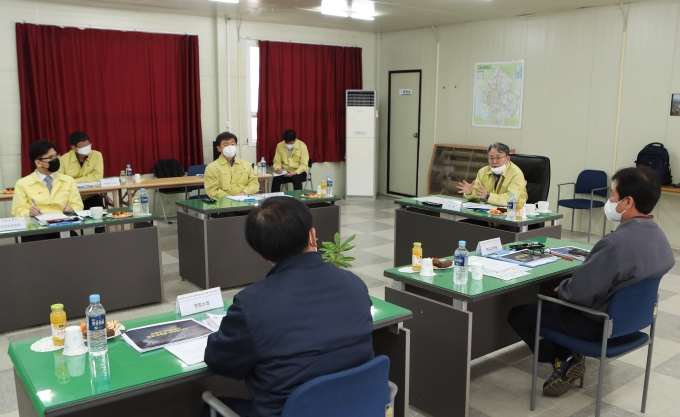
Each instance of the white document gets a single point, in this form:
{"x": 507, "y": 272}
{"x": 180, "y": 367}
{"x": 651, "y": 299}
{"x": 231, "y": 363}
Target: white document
{"x": 84, "y": 213}
{"x": 245, "y": 198}
{"x": 88, "y": 184}
{"x": 282, "y": 173}
{"x": 190, "y": 352}
{"x": 216, "y": 319}
{"x": 470, "y": 206}
{"x": 507, "y": 275}
{"x": 55, "y": 216}
{"x": 499, "y": 269}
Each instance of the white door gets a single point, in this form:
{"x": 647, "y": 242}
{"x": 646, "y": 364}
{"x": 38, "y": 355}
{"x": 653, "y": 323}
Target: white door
{"x": 403, "y": 135}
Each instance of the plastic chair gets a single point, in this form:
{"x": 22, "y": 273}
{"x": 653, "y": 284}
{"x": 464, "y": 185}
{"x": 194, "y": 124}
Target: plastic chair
{"x": 288, "y": 185}
{"x": 588, "y": 182}
{"x": 193, "y": 171}
{"x": 168, "y": 168}
{"x": 364, "y": 391}
{"x": 631, "y": 309}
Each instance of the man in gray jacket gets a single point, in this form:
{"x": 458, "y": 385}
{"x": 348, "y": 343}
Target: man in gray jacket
{"x": 637, "y": 250}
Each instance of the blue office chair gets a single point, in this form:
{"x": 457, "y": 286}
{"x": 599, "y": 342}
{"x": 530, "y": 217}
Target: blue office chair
{"x": 631, "y": 309}
{"x": 364, "y": 391}
{"x": 193, "y": 171}
{"x": 591, "y": 182}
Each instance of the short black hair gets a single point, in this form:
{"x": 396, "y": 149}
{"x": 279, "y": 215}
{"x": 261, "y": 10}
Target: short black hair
{"x": 289, "y": 135}
{"x": 642, "y": 184}
{"x": 225, "y": 136}
{"x": 76, "y": 137}
{"x": 500, "y": 147}
{"x": 40, "y": 148}
{"x": 279, "y": 228}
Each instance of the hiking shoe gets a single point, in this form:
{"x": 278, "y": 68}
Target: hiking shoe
{"x": 564, "y": 374}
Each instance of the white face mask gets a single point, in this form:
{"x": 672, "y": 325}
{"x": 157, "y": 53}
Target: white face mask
{"x": 611, "y": 213}
{"x": 311, "y": 242}
{"x": 290, "y": 146}
{"x": 85, "y": 150}
{"x": 229, "y": 151}
{"x": 498, "y": 170}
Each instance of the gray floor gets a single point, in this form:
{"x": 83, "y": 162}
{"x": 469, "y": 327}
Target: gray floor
{"x": 501, "y": 382}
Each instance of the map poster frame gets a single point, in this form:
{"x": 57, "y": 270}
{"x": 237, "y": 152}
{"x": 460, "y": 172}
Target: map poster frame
{"x": 509, "y": 83}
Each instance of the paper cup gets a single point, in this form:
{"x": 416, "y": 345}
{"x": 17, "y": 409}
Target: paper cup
{"x": 138, "y": 178}
{"x": 477, "y": 269}
{"x": 73, "y": 342}
{"x": 426, "y": 268}
{"x": 543, "y": 206}
{"x": 76, "y": 365}
{"x": 97, "y": 212}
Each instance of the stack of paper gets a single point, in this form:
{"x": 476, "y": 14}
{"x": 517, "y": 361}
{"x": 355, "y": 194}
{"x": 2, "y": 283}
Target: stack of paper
{"x": 282, "y": 173}
{"x": 156, "y": 336}
{"x": 499, "y": 269}
{"x": 244, "y": 198}
{"x": 190, "y": 352}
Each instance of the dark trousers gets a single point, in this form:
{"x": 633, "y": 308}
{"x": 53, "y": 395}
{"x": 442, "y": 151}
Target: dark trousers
{"x": 564, "y": 320}
{"x": 95, "y": 201}
{"x": 238, "y": 405}
{"x": 297, "y": 180}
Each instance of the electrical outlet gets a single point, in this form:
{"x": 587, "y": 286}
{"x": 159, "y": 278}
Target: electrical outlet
{"x": 227, "y": 125}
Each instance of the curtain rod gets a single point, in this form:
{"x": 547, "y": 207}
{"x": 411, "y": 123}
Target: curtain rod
{"x": 102, "y": 28}
{"x": 304, "y": 43}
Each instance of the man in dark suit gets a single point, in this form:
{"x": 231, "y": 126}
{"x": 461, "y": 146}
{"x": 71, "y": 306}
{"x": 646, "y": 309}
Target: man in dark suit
{"x": 307, "y": 319}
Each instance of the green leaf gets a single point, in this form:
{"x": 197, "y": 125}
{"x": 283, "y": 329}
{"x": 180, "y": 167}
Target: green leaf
{"x": 349, "y": 239}
{"x": 336, "y": 238}
{"x": 328, "y": 245}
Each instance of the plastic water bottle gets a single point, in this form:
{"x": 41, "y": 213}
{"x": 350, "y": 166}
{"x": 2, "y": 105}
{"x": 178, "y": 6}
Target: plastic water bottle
{"x": 96, "y": 326}
{"x": 329, "y": 186}
{"x": 263, "y": 166}
{"x": 512, "y": 205}
{"x": 460, "y": 264}
{"x": 144, "y": 200}
{"x": 129, "y": 174}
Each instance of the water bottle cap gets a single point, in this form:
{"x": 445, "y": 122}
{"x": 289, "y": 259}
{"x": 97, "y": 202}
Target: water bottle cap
{"x": 461, "y": 243}
{"x": 512, "y": 194}
{"x": 57, "y": 307}
{"x": 142, "y": 189}
{"x": 94, "y": 298}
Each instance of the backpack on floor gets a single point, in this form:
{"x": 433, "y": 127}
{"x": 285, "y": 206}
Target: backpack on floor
{"x": 655, "y": 157}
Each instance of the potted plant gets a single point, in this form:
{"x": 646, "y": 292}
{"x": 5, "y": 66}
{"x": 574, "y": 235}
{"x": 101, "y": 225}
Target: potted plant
{"x": 333, "y": 252}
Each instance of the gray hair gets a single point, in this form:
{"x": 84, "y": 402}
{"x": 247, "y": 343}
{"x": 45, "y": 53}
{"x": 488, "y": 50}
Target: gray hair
{"x": 500, "y": 147}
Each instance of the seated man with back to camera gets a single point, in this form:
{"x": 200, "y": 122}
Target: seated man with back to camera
{"x": 45, "y": 191}
{"x": 636, "y": 250}
{"x": 307, "y": 319}
{"x": 229, "y": 175}
{"x": 84, "y": 165}
{"x": 495, "y": 182}
{"x": 291, "y": 156}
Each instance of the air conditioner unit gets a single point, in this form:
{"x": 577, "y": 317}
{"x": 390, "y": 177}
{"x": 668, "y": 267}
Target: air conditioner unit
{"x": 361, "y": 158}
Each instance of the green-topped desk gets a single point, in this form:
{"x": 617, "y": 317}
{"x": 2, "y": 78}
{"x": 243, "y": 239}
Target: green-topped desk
{"x": 124, "y": 267}
{"x": 157, "y": 383}
{"x": 439, "y": 230}
{"x": 455, "y": 324}
{"x": 213, "y": 251}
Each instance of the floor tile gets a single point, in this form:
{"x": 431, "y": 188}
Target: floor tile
{"x": 377, "y": 292}
{"x": 167, "y": 259}
{"x": 386, "y": 251}
{"x": 374, "y": 215}
{"x": 364, "y": 241}
{"x": 668, "y": 326}
{"x": 375, "y": 270}
{"x": 174, "y": 288}
{"x": 671, "y": 305}
{"x": 670, "y": 282}
{"x": 8, "y": 399}
{"x": 5, "y": 361}
{"x": 363, "y": 258}
{"x": 414, "y": 412}
{"x": 173, "y": 252}
{"x": 527, "y": 365}
{"x": 354, "y": 209}
{"x": 616, "y": 375}
{"x": 670, "y": 367}
{"x": 346, "y": 232}
{"x": 662, "y": 395}
{"x": 346, "y": 219}
{"x": 387, "y": 234}
{"x": 371, "y": 281}
{"x": 606, "y": 410}
{"x": 14, "y": 413}
{"x": 515, "y": 355}
{"x": 663, "y": 351}
{"x": 484, "y": 368}
{"x": 471, "y": 413}
{"x": 369, "y": 226}
{"x": 389, "y": 220}
{"x": 665, "y": 294}
{"x": 389, "y": 210}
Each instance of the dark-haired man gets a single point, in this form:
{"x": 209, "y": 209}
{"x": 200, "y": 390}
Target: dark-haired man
{"x": 84, "y": 165}
{"x": 291, "y": 156}
{"x": 45, "y": 191}
{"x": 615, "y": 262}
{"x": 229, "y": 175}
{"x": 308, "y": 318}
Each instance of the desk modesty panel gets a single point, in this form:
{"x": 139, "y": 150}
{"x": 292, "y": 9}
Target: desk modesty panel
{"x": 157, "y": 383}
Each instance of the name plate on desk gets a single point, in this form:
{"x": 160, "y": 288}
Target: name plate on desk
{"x": 488, "y": 247}
{"x": 12, "y": 223}
{"x": 109, "y": 182}
{"x": 199, "y": 301}
{"x": 453, "y": 205}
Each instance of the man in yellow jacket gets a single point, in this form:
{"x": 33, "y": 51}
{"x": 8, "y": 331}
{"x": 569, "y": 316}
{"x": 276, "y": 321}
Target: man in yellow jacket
{"x": 229, "y": 175}
{"x": 45, "y": 191}
{"x": 84, "y": 165}
{"x": 291, "y": 156}
{"x": 495, "y": 182}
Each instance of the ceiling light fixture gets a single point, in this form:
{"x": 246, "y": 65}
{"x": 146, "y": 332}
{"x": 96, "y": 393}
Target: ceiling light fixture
{"x": 226, "y": 1}
{"x": 362, "y": 17}
{"x": 334, "y": 13}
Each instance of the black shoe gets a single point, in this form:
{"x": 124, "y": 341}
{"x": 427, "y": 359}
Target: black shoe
{"x": 564, "y": 374}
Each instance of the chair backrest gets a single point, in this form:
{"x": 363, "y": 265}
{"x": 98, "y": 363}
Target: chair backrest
{"x": 589, "y": 179}
{"x": 192, "y": 172}
{"x": 358, "y": 392}
{"x": 168, "y": 168}
{"x": 536, "y": 170}
{"x": 632, "y": 308}
{"x": 309, "y": 164}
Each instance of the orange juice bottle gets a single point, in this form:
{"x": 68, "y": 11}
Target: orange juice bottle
{"x": 58, "y": 320}
{"x": 416, "y": 256}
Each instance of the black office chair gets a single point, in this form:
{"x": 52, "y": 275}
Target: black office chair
{"x": 536, "y": 170}
{"x": 168, "y": 168}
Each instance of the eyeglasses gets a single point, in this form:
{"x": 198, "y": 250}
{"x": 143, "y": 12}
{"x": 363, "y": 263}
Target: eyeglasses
{"x": 497, "y": 159}
{"x": 49, "y": 158}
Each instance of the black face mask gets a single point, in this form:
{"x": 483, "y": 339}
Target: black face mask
{"x": 53, "y": 165}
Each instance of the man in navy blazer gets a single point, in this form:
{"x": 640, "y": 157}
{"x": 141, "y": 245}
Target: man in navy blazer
{"x": 307, "y": 319}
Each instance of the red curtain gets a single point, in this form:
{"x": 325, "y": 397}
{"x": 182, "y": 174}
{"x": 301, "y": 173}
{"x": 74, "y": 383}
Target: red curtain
{"x": 135, "y": 94}
{"x": 302, "y": 87}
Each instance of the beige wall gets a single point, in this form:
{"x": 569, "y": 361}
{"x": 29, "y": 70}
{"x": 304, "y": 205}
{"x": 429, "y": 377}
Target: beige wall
{"x": 219, "y": 65}
{"x": 571, "y": 89}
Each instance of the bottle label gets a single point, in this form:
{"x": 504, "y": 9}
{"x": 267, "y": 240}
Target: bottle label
{"x": 459, "y": 260}
{"x": 96, "y": 322}
{"x": 59, "y": 331}
{"x": 144, "y": 199}
{"x": 416, "y": 260}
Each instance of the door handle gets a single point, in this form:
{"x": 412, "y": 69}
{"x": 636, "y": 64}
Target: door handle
{"x": 415, "y": 135}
